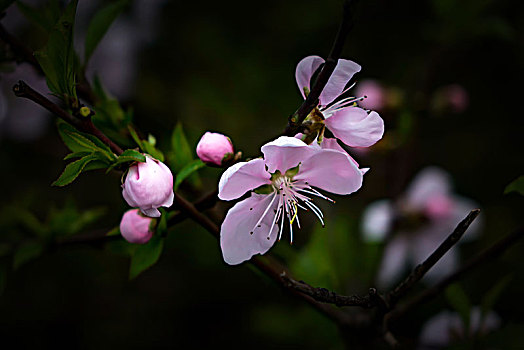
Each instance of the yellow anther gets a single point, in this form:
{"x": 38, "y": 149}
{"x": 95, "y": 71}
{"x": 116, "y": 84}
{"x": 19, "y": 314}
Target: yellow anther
{"x": 296, "y": 212}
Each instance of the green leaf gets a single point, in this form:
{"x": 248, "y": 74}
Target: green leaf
{"x": 146, "y": 256}
{"x": 58, "y": 58}
{"x": 26, "y": 252}
{"x": 493, "y": 294}
{"x": 150, "y": 149}
{"x": 4, "y": 4}
{"x": 72, "y": 171}
{"x": 77, "y": 155}
{"x": 79, "y": 143}
{"x": 516, "y": 186}
{"x": 100, "y": 24}
{"x": 182, "y": 152}
{"x": 45, "y": 17}
{"x": 129, "y": 155}
{"x": 187, "y": 171}
{"x": 459, "y": 300}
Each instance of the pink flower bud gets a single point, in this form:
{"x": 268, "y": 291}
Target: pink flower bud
{"x": 149, "y": 186}
{"x": 213, "y": 147}
{"x": 135, "y": 227}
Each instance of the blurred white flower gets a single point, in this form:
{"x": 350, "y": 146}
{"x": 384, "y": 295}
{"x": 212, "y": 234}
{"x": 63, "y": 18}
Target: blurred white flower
{"x": 446, "y": 327}
{"x": 416, "y": 224}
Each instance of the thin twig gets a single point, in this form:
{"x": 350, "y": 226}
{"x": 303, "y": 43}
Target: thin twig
{"x": 311, "y": 101}
{"x": 83, "y": 124}
{"x": 326, "y": 296}
{"x": 420, "y": 270}
{"x": 488, "y": 254}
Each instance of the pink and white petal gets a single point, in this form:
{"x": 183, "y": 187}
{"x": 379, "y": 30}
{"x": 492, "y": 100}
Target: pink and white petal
{"x": 355, "y": 127}
{"x": 429, "y": 183}
{"x": 342, "y": 74}
{"x": 330, "y": 143}
{"x": 285, "y": 153}
{"x": 305, "y": 70}
{"x": 377, "y": 220}
{"x": 237, "y": 242}
{"x": 242, "y": 177}
{"x": 151, "y": 212}
{"x": 169, "y": 200}
{"x": 436, "y": 332}
{"x": 331, "y": 171}
{"x": 394, "y": 261}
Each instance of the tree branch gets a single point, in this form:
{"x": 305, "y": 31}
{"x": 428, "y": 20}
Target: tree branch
{"x": 83, "y": 124}
{"x": 486, "y": 255}
{"x": 311, "y": 101}
{"x": 420, "y": 270}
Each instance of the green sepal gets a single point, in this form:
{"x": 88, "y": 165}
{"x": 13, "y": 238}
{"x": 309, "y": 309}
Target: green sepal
{"x": 129, "y": 155}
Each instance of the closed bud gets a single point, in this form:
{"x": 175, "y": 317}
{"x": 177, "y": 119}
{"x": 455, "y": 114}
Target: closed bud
{"x": 135, "y": 228}
{"x": 214, "y": 148}
{"x": 148, "y": 186}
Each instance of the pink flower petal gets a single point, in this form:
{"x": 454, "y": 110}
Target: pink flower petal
{"x": 342, "y": 74}
{"x": 377, "y": 220}
{"x": 305, "y": 70}
{"x": 285, "y": 153}
{"x": 429, "y": 183}
{"x": 356, "y": 128}
{"x": 236, "y": 240}
{"x": 332, "y": 171}
{"x": 394, "y": 261}
{"x": 242, "y": 177}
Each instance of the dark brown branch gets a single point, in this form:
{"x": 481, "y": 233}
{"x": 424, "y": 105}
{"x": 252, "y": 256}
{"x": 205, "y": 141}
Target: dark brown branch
{"x": 326, "y": 296}
{"x": 265, "y": 264}
{"x": 489, "y": 254}
{"x": 83, "y": 124}
{"x": 295, "y": 120}
{"x": 419, "y": 271}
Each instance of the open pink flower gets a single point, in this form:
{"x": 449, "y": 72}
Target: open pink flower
{"x": 352, "y": 125}
{"x": 287, "y": 176}
{"x": 424, "y": 216}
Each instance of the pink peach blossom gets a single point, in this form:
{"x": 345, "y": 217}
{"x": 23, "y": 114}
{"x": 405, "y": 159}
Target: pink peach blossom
{"x": 352, "y": 125}
{"x": 429, "y": 201}
{"x": 213, "y": 147}
{"x": 287, "y": 175}
{"x": 149, "y": 186}
{"x": 135, "y": 228}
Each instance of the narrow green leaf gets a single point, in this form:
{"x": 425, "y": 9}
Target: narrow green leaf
{"x": 182, "y": 153}
{"x": 150, "y": 149}
{"x": 516, "y": 186}
{"x": 58, "y": 58}
{"x": 77, "y": 155}
{"x": 129, "y": 155}
{"x": 146, "y": 256}
{"x": 459, "y": 300}
{"x": 37, "y": 16}
{"x": 135, "y": 137}
{"x": 187, "y": 171}
{"x": 27, "y": 252}
{"x": 100, "y": 24}
{"x": 493, "y": 294}
{"x": 72, "y": 171}
{"x": 79, "y": 142}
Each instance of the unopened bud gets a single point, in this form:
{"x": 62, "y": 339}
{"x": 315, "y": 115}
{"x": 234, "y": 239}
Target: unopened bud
{"x": 85, "y": 111}
{"x": 135, "y": 228}
{"x": 148, "y": 186}
{"x": 214, "y": 148}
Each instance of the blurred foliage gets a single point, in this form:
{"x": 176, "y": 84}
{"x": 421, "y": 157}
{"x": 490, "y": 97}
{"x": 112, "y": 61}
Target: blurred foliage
{"x": 229, "y": 67}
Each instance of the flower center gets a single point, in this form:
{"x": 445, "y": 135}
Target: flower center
{"x": 289, "y": 196}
